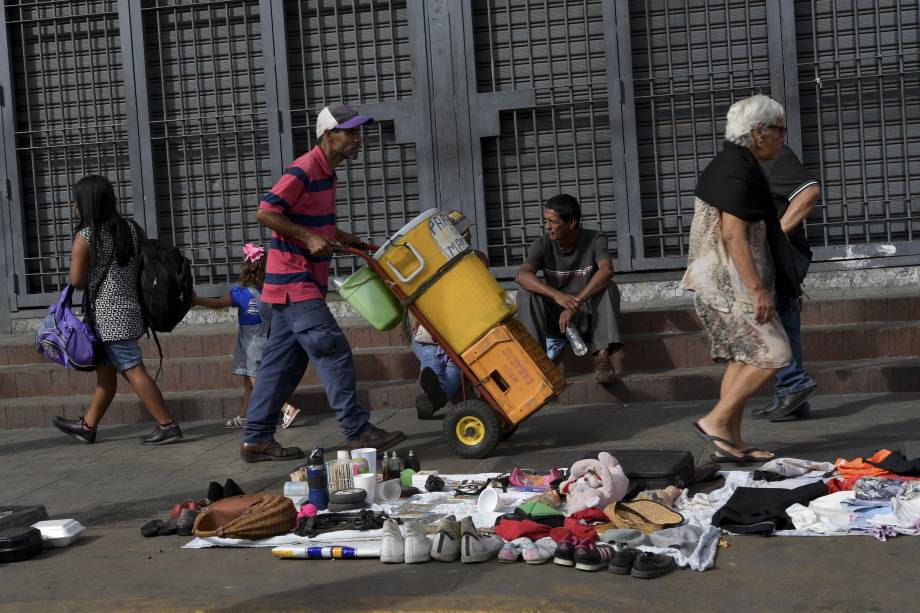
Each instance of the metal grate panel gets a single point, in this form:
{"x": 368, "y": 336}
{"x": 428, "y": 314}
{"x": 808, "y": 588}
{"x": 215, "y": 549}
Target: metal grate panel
{"x": 691, "y": 59}
{"x": 70, "y": 121}
{"x": 209, "y": 128}
{"x": 561, "y": 145}
{"x": 859, "y": 83}
{"x": 357, "y": 53}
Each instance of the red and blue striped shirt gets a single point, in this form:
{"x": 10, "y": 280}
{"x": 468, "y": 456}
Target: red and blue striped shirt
{"x": 305, "y": 193}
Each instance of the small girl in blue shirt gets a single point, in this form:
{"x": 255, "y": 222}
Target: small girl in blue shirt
{"x": 254, "y": 319}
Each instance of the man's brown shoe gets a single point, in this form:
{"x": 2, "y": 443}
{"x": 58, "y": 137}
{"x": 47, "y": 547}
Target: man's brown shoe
{"x": 376, "y": 438}
{"x": 269, "y": 451}
{"x": 604, "y": 373}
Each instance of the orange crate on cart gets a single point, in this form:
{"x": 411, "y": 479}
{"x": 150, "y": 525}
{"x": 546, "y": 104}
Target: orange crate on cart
{"x": 514, "y": 370}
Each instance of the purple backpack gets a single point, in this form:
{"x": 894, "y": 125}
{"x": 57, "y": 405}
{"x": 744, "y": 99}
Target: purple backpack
{"x": 64, "y": 338}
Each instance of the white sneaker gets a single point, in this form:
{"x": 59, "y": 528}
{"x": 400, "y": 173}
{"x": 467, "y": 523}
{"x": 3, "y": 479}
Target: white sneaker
{"x": 393, "y": 546}
{"x": 540, "y": 551}
{"x": 446, "y": 545}
{"x": 418, "y": 548}
{"x": 475, "y": 547}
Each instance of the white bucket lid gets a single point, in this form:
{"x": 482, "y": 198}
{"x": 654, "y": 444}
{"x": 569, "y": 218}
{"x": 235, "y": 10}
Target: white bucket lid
{"x": 421, "y": 218}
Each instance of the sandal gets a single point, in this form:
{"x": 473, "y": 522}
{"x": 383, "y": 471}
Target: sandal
{"x": 236, "y": 422}
{"x": 289, "y": 416}
{"x": 723, "y": 456}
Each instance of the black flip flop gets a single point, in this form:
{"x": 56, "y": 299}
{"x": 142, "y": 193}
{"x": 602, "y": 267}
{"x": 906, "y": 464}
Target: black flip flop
{"x": 730, "y": 459}
{"x": 710, "y": 438}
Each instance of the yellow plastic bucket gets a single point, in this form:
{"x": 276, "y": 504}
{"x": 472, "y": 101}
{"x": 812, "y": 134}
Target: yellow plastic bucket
{"x": 464, "y": 303}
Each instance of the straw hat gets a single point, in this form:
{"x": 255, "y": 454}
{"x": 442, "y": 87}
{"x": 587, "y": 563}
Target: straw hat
{"x": 643, "y": 515}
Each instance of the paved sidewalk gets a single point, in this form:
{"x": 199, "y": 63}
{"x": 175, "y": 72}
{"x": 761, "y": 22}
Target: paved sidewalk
{"x": 116, "y": 485}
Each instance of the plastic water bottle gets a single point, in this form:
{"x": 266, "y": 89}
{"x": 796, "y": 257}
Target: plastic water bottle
{"x": 578, "y": 345}
{"x": 317, "y": 480}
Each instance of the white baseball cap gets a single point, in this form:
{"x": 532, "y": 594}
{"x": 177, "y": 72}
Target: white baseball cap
{"x": 339, "y": 116}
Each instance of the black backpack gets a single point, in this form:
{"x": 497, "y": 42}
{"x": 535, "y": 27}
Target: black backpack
{"x": 165, "y": 285}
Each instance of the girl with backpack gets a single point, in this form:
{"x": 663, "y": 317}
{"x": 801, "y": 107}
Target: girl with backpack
{"x": 104, "y": 262}
{"x": 253, "y": 317}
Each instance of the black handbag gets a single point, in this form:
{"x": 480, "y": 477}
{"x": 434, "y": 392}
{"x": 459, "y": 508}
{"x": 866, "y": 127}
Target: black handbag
{"x": 654, "y": 469}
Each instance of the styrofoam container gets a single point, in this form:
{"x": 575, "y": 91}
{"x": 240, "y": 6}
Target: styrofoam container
{"x": 59, "y": 532}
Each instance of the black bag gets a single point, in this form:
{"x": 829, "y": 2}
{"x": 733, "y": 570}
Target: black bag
{"x": 654, "y": 469}
{"x": 18, "y": 544}
{"x": 165, "y": 285}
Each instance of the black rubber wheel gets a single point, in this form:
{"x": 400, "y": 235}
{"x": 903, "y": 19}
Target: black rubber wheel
{"x": 472, "y": 429}
{"x": 508, "y": 430}
{"x": 350, "y": 496}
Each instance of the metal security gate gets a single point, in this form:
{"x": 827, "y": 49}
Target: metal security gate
{"x": 690, "y": 60}
{"x": 194, "y": 107}
{"x": 858, "y": 83}
{"x": 563, "y": 53}
{"x": 64, "y": 116}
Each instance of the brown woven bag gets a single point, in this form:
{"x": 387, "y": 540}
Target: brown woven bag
{"x": 250, "y": 516}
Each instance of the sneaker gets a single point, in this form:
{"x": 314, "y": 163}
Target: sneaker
{"x": 539, "y": 551}
{"x": 269, "y": 451}
{"x": 565, "y": 551}
{"x": 163, "y": 435}
{"x": 473, "y": 546}
{"x": 424, "y": 409}
{"x": 186, "y": 522}
{"x": 393, "y": 545}
{"x": 650, "y": 565}
{"x": 623, "y": 558}
{"x": 373, "y": 436}
{"x": 76, "y": 428}
{"x": 511, "y": 550}
{"x": 418, "y": 548}
{"x": 446, "y": 545}
{"x": 593, "y": 556}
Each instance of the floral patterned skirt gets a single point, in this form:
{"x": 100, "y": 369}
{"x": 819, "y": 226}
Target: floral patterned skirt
{"x": 736, "y": 336}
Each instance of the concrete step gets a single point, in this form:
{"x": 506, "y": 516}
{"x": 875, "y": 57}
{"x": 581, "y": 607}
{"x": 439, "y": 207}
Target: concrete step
{"x": 889, "y": 375}
{"x": 37, "y": 412}
{"x": 190, "y": 374}
{"x": 642, "y": 353}
{"x": 654, "y": 317}
{"x": 200, "y": 341}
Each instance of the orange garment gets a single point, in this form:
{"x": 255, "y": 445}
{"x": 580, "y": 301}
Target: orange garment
{"x": 860, "y": 468}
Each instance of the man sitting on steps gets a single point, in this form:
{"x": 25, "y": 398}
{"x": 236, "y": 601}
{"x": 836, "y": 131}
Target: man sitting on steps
{"x": 577, "y": 286}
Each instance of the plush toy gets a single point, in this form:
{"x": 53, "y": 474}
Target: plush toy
{"x": 594, "y": 483}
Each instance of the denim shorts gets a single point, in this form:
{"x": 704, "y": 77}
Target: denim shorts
{"x": 122, "y": 354}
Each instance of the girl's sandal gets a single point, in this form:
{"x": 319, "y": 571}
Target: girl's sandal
{"x": 236, "y": 422}
{"x": 290, "y": 415}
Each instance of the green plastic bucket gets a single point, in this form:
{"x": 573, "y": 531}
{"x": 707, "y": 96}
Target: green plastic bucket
{"x": 371, "y": 297}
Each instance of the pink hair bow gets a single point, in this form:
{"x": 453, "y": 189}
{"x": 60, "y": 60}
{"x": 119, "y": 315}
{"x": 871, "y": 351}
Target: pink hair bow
{"x": 252, "y": 252}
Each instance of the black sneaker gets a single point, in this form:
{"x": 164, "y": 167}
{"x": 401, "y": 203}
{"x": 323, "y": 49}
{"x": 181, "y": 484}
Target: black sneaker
{"x": 75, "y": 428}
{"x": 162, "y": 435}
{"x": 432, "y": 387}
{"x": 565, "y": 552}
{"x": 593, "y": 556}
{"x": 424, "y": 408}
{"x": 623, "y": 559}
{"x": 650, "y": 565}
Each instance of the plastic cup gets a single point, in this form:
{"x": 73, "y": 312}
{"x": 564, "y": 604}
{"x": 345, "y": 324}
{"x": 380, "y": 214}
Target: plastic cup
{"x": 368, "y": 483}
{"x": 388, "y": 491}
{"x": 368, "y": 453}
{"x": 488, "y": 501}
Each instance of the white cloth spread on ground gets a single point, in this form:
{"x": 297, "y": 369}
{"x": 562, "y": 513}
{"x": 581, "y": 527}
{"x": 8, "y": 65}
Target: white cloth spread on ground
{"x": 793, "y": 467}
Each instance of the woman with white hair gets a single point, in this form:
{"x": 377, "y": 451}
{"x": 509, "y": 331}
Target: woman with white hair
{"x": 737, "y": 252}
